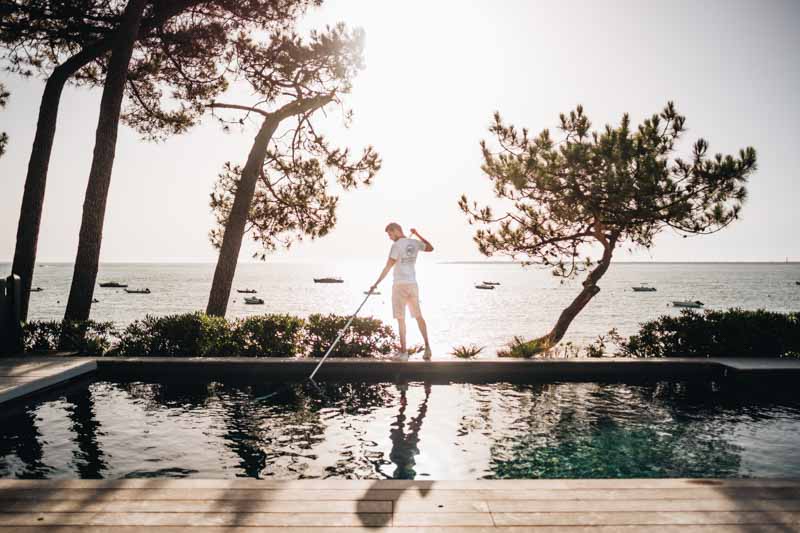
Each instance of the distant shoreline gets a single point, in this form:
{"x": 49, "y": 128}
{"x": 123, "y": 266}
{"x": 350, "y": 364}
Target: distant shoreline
{"x": 66, "y": 263}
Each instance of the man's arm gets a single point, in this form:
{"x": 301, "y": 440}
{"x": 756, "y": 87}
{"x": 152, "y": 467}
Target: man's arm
{"x": 389, "y": 264}
{"x": 428, "y": 245}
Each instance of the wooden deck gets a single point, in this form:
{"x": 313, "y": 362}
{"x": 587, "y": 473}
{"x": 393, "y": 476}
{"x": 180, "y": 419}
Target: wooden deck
{"x": 26, "y": 375}
{"x": 316, "y": 506}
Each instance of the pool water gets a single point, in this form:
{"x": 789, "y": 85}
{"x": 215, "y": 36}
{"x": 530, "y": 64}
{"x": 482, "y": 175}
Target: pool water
{"x": 116, "y": 429}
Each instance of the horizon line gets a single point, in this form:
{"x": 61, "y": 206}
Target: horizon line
{"x": 442, "y": 262}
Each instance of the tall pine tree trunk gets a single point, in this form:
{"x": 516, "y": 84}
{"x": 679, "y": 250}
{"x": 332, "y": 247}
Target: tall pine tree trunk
{"x": 30, "y": 215}
{"x": 94, "y": 205}
{"x": 237, "y": 219}
{"x": 590, "y": 289}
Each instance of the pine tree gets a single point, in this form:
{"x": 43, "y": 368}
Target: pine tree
{"x": 599, "y": 190}
{"x": 280, "y": 194}
{"x": 181, "y": 49}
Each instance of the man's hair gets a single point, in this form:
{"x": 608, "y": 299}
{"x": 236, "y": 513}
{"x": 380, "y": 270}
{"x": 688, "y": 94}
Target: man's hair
{"x": 393, "y": 226}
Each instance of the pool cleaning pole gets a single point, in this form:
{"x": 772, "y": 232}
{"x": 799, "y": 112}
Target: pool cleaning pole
{"x": 338, "y": 337}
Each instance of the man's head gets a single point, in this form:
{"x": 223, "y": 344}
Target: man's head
{"x": 394, "y": 231}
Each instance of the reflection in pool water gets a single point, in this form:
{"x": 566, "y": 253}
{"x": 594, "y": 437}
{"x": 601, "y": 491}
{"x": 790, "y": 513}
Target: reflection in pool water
{"x": 115, "y": 429}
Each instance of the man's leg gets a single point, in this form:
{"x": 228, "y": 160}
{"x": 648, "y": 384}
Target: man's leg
{"x": 423, "y": 328}
{"x": 401, "y": 328}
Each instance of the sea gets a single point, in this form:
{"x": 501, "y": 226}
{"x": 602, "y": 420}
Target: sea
{"x": 527, "y": 301}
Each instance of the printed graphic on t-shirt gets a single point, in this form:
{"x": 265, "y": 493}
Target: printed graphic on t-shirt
{"x": 405, "y": 252}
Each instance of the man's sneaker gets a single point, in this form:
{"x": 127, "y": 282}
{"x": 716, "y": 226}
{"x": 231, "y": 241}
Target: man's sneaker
{"x": 399, "y": 356}
{"x": 427, "y": 355}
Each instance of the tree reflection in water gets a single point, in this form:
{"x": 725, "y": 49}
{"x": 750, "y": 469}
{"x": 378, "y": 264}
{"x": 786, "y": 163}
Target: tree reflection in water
{"x": 369, "y": 430}
{"x": 21, "y": 450}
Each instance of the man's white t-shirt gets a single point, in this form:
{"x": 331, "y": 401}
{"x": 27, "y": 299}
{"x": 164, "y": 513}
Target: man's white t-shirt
{"x": 405, "y": 252}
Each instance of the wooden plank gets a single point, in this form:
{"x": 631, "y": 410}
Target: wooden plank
{"x": 427, "y": 505}
{"x": 318, "y": 484}
{"x": 779, "y": 493}
{"x": 387, "y": 529}
{"x": 196, "y": 506}
{"x": 648, "y": 518}
{"x": 33, "y": 366}
{"x": 44, "y": 377}
{"x": 516, "y": 506}
{"x": 442, "y": 519}
{"x": 198, "y": 519}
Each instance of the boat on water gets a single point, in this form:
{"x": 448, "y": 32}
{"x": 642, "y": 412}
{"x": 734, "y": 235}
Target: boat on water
{"x": 253, "y": 300}
{"x": 484, "y": 286}
{"x": 328, "y": 280}
{"x": 36, "y": 289}
{"x": 491, "y": 283}
{"x": 138, "y": 291}
{"x": 643, "y": 288}
{"x": 246, "y": 291}
{"x": 114, "y": 285}
{"x": 95, "y": 301}
{"x": 373, "y": 292}
{"x": 692, "y": 304}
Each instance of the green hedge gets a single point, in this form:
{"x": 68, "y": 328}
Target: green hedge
{"x": 197, "y": 334}
{"x": 87, "y": 337}
{"x": 731, "y": 333}
{"x": 365, "y": 337}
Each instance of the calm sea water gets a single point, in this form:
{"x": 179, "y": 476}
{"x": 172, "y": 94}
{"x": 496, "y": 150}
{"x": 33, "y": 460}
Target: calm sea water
{"x": 112, "y": 428}
{"x": 527, "y": 302}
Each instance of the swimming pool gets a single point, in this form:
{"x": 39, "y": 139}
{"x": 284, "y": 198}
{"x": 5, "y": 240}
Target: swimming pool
{"x": 112, "y": 428}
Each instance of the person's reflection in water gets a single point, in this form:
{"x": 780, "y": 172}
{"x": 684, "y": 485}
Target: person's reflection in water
{"x": 404, "y": 444}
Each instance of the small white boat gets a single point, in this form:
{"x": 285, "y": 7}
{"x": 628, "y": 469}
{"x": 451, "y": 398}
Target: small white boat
{"x": 643, "y": 288}
{"x": 485, "y": 287}
{"x": 138, "y": 291}
{"x": 253, "y": 300}
{"x": 696, "y": 304}
{"x": 328, "y": 280}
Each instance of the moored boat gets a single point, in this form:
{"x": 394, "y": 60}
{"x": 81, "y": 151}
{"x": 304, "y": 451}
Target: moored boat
{"x": 491, "y": 283}
{"x": 138, "y": 291}
{"x": 328, "y": 280}
{"x": 246, "y": 291}
{"x": 253, "y": 300}
{"x": 644, "y": 288}
{"x": 114, "y": 285}
{"x": 484, "y": 286}
{"x": 695, "y": 304}
{"x": 36, "y": 289}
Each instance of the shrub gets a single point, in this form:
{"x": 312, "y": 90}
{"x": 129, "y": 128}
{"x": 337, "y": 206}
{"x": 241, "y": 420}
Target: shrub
{"x": 599, "y": 347}
{"x": 519, "y": 347}
{"x": 87, "y": 337}
{"x": 467, "y": 351}
{"x": 190, "y": 334}
{"x": 270, "y": 335}
{"x": 731, "y": 333}
{"x": 366, "y": 337}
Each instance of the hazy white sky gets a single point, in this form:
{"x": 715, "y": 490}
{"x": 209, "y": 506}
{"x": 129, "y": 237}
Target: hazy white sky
{"x": 436, "y": 71}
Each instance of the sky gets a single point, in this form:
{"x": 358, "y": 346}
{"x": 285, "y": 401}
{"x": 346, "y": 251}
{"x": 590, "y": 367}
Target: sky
{"x": 435, "y": 73}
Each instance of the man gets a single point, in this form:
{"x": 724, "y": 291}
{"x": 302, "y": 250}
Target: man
{"x": 402, "y": 257}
